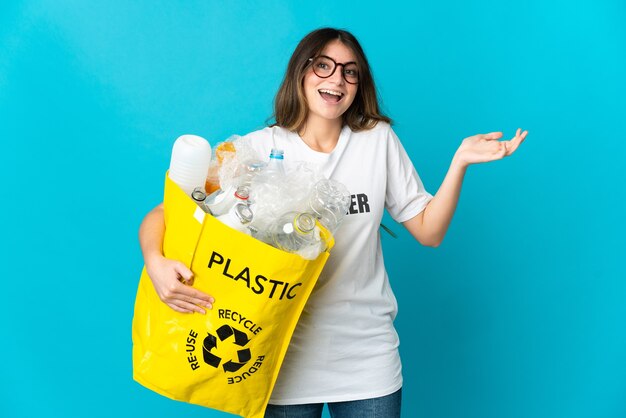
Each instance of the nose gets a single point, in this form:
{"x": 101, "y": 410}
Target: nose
{"x": 337, "y": 76}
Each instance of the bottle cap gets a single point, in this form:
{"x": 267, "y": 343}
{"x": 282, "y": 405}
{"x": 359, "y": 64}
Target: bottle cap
{"x": 277, "y": 154}
{"x": 242, "y": 192}
{"x": 198, "y": 194}
{"x": 304, "y": 223}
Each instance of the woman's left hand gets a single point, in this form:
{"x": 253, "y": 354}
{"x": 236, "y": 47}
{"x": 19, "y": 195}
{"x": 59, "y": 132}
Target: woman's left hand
{"x": 487, "y": 147}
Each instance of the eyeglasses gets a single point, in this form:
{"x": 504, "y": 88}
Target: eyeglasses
{"x": 324, "y": 67}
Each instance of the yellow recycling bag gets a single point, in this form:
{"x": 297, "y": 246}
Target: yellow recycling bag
{"x": 229, "y": 358}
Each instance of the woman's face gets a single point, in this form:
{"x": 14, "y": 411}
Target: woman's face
{"x": 329, "y": 98}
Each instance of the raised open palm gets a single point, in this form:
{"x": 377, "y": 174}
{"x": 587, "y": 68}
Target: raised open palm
{"x": 487, "y": 147}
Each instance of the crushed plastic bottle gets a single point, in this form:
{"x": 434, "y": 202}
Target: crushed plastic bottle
{"x": 329, "y": 202}
{"x": 248, "y": 171}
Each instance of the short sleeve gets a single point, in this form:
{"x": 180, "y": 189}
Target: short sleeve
{"x": 405, "y": 195}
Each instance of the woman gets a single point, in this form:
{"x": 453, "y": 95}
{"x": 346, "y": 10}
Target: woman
{"x": 344, "y": 351}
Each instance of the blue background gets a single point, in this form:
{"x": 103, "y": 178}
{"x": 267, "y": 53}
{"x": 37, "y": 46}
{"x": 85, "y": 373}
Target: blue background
{"x": 520, "y": 313}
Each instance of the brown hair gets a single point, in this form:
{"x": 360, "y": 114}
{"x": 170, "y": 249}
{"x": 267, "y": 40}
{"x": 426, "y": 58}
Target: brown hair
{"x": 290, "y": 106}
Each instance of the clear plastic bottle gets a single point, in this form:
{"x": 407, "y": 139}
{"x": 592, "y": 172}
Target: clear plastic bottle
{"x": 329, "y": 202}
{"x": 249, "y": 169}
{"x": 275, "y": 165}
{"x": 272, "y": 174}
{"x": 238, "y": 217}
{"x": 199, "y": 196}
{"x": 267, "y": 192}
{"x": 242, "y": 194}
{"x": 296, "y": 232}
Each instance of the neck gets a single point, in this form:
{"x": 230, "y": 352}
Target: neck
{"x": 321, "y": 134}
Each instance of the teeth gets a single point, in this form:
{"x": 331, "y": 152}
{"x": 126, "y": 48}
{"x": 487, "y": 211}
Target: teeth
{"x": 334, "y": 93}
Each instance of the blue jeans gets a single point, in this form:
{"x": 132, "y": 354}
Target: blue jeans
{"x": 383, "y": 407}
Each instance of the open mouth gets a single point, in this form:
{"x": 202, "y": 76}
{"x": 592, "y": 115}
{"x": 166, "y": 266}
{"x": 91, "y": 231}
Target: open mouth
{"x": 331, "y": 96}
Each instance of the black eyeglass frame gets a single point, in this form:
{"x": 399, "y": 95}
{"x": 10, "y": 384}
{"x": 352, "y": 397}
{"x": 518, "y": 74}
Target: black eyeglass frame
{"x": 337, "y": 64}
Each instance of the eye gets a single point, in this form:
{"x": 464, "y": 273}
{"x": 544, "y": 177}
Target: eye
{"x": 351, "y": 72}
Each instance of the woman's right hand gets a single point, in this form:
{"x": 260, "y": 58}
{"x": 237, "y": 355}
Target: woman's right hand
{"x": 173, "y": 282}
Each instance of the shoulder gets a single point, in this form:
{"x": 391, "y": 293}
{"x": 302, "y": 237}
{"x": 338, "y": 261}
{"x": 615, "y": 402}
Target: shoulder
{"x": 382, "y": 127}
{"x": 380, "y": 130}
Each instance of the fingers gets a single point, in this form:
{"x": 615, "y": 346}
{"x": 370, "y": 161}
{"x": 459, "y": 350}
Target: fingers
{"x": 505, "y": 149}
{"x": 194, "y": 294}
{"x": 183, "y": 295}
{"x": 179, "y": 298}
{"x": 516, "y": 141}
{"x": 185, "y": 307}
{"x": 523, "y": 135}
{"x": 184, "y": 272}
{"x": 491, "y": 136}
{"x": 187, "y": 279}
{"x": 520, "y": 135}
{"x": 197, "y": 297}
{"x": 178, "y": 309}
{"x": 175, "y": 290}
{"x": 172, "y": 281}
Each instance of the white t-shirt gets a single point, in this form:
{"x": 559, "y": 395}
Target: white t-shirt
{"x": 345, "y": 346}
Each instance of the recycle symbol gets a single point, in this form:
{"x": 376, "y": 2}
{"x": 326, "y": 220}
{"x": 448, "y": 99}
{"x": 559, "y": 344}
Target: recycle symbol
{"x": 224, "y": 332}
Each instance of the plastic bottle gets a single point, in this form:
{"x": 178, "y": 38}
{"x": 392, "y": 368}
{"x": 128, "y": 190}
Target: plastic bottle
{"x": 249, "y": 169}
{"x": 238, "y": 217}
{"x": 272, "y": 174}
{"x": 189, "y": 163}
{"x": 242, "y": 193}
{"x": 199, "y": 196}
{"x": 329, "y": 202}
{"x": 267, "y": 192}
{"x": 221, "y": 201}
{"x": 275, "y": 165}
{"x": 296, "y": 232}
